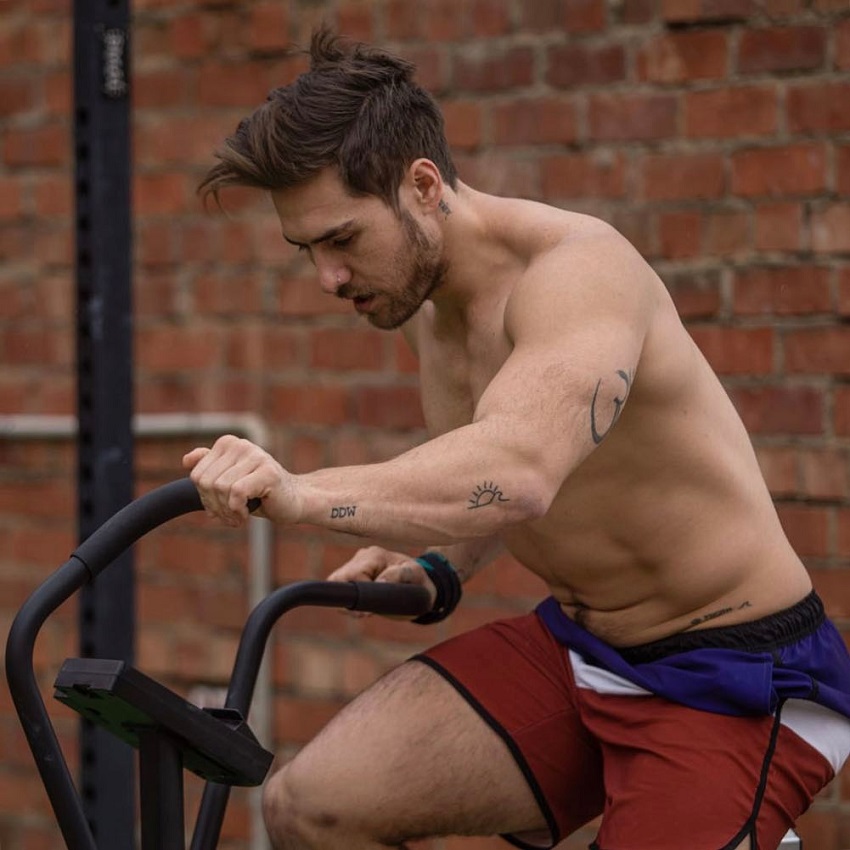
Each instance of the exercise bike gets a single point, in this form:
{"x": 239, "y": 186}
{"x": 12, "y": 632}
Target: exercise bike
{"x": 170, "y": 733}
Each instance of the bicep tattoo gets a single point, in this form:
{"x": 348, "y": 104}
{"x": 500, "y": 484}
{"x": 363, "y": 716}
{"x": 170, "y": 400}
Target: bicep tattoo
{"x": 602, "y": 418}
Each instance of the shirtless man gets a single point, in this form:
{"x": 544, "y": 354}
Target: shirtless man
{"x": 682, "y": 680}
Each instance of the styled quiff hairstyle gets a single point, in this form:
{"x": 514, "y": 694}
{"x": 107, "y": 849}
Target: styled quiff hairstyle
{"x": 357, "y": 109}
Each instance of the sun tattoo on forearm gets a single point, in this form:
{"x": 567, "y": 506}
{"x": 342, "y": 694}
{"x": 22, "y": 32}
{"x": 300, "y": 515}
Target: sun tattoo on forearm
{"x": 598, "y": 435}
{"x": 485, "y": 494}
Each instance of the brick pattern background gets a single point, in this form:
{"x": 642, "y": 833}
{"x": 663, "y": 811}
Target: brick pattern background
{"x": 714, "y": 133}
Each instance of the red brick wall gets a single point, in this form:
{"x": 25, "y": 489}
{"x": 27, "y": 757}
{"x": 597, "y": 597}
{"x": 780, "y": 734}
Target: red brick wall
{"x": 714, "y": 133}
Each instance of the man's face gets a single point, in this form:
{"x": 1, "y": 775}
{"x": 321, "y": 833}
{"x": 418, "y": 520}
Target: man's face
{"x": 387, "y": 265}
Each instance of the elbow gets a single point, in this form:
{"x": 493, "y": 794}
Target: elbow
{"x": 535, "y": 495}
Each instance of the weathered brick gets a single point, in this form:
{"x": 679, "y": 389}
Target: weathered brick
{"x": 785, "y": 48}
{"x": 667, "y": 177}
{"x": 779, "y": 467}
{"x": 842, "y": 167}
{"x": 736, "y": 351}
{"x": 678, "y": 57}
{"x": 599, "y": 174}
{"x": 240, "y": 84}
{"x": 726, "y": 113}
{"x": 679, "y": 234}
{"x": 779, "y": 226}
{"x": 782, "y": 291}
{"x": 621, "y": 117}
{"x": 696, "y": 293}
{"x": 161, "y": 88}
{"x": 356, "y": 19}
{"x": 491, "y": 17}
{"x": 482, "y": 68}
{"x": 189, "y": 36}
{"x": 824, "y": 474}
{"x": 844, "y": 291}
{"x": 339, "y": 348}
{"x": 159, "y": 193}
{"x": 175, "y": 348}
{"x": 807, "y": 529}
{"x": 818, "y": 350}
{"x": 844, "y": 532}
{"x": 47, "y": 145}
{"x": 818, "y": 108}
{"x": 842, "y": 45}
{"x": 728, "y": 232}
{"x": 583, "y": 16}
{"x": 774, "y": 172}
{"x": 636, "y": 11}
{"x": 464, "y": 123}
{"x": 842, "y": 410}
{"x": 389, "y": 407}
{"x": 444, "y": 20}
{"x": 402, "y": 19}
{"x": 11, "y": 197}
{"x": 571, "y": 65}
{"x": 831, "y": 228}
{"x": 534, "y": 121}
{"x": 706, "y": 11}
{"x": 540, "y": 16}
{"x": 309, "y": 404}
{"x": 780, "y": 410}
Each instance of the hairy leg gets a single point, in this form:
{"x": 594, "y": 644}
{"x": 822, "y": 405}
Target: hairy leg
{"x": 407, "y": 759}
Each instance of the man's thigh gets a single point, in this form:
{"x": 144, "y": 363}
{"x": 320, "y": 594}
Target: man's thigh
{"x": 409, "y": 758}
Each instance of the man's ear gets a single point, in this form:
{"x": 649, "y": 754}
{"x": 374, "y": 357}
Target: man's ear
{"x": 426, "y": 184}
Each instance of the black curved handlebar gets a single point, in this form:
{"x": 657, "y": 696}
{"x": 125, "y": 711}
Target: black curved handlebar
{"x": 94, "y": 555}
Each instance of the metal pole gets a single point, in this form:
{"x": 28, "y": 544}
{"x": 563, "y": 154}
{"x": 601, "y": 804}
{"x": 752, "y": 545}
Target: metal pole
{"x": 104, "y": 369}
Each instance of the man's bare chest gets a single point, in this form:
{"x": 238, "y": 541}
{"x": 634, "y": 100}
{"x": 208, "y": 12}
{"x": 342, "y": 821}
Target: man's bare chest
{"x": 454, "y": 375}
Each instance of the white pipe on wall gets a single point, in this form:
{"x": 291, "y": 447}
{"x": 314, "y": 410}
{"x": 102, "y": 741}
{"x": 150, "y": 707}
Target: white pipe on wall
{"x": 163, "y": 425}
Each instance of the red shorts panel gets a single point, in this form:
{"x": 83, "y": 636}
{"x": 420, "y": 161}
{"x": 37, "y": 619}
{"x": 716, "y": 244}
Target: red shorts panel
{"x": 664, "y": 776}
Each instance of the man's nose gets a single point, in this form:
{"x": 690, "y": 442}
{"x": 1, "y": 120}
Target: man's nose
{"x": 331, "y": 276}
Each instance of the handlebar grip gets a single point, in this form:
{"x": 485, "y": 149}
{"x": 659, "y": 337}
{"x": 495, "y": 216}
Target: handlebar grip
{"x": 135, "y": 520}
{"x": 399, "y": 600}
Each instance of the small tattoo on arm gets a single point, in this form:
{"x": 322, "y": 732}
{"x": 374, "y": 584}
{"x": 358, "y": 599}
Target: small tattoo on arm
{"x": 445, "y": 209}
{"x": 698, "y": 621}
{"x": 343, "y": 512}
{"x": 486, "y": 494}
{"x": 596, "y": 433}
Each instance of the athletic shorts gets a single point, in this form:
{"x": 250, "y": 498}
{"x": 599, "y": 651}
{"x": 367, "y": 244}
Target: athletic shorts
{"x": 696, "y": 741}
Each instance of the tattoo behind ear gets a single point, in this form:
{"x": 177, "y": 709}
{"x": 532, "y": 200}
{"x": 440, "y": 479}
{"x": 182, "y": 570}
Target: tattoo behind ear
{"x": 626, "y": 379}
{"x": 445, "y": 209}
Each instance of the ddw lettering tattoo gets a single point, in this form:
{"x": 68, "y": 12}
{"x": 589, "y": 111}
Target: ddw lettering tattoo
{"x": 599, "y": 433}
{"x": 343, "y": 511}
{"x": 445, "y": 209}
{"x": 486, "y": 494}
{"x": 698, "y": 621}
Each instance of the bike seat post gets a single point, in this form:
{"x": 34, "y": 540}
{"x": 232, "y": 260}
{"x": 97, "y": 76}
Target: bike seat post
{"x": 161, "y": 791}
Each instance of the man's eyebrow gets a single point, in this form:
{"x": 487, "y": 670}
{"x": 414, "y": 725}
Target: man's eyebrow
{"x": 328, "y": 234}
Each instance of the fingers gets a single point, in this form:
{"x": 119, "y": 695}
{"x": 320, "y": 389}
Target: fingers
{"x": 230, "y": 474}
{"x": 365, "y": 565}
{"x": 190, "y": 459}
{"x": 382, "y": 565}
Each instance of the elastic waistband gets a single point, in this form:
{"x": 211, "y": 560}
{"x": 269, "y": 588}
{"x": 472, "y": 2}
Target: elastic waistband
{"x": 763, "y": 635}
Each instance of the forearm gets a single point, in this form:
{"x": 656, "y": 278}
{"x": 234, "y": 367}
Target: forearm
{"x": 469, "y": 557}
{"x": 466, "y": 484}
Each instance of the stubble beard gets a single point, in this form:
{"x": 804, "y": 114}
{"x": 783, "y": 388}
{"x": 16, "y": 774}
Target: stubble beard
{"x": 426, "y": 270}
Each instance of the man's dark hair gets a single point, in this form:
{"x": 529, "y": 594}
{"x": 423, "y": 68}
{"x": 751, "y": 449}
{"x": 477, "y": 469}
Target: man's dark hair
{"x": 356, "y": 109}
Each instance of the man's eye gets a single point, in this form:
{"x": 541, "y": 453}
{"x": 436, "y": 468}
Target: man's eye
{"x": 342, "y": 242}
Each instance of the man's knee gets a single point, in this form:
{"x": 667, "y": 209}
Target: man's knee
{"x": 295, "y": 813}
{"x": 284, "y": 812}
